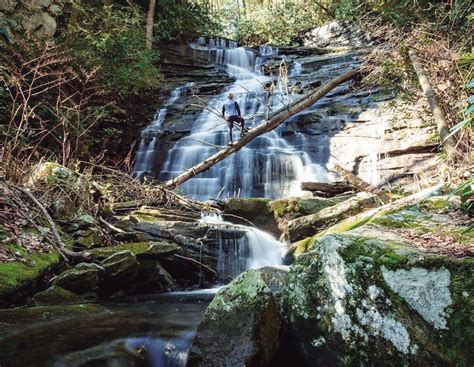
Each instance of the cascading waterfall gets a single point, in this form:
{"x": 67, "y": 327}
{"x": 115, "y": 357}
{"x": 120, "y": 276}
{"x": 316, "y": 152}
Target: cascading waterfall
{"x": 147, "y": 149}
{"x": 254, "y": 250}
{"x": 267, "y": 167}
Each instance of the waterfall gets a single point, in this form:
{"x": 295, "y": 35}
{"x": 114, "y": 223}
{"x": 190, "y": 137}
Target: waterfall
{"x": 147, "y": 149}
{"x": 254, "y": 250}
{"x": 267, "y": 167}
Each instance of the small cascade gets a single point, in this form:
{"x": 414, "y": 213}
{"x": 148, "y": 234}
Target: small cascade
{"x": 147, "y": 149}
{"x": 267, "y": 167}
{"x": 253, "y": 250}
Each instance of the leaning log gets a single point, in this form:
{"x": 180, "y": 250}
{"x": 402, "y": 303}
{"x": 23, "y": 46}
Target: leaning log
{"x": 438, "y": 115}
{"x": 360, "y": 184}
{"x": 327, "y": 189}
{"x": 271, "y": 123}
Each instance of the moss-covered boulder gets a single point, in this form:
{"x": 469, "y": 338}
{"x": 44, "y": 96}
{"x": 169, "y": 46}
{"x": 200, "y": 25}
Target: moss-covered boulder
{"x": 55, "y": 296}
{"x": 69, "y": 192}
{"x": 241, "y": 326}
{"x": 120, "y": 270}
{"x": 361, "y": 300}
{"x": 83, "y": 278}
{"x": 309, "y": 225}
{"x": 146, "y": 250}
{"x": 19, "y": 279}
{"x": 291, "y": 208}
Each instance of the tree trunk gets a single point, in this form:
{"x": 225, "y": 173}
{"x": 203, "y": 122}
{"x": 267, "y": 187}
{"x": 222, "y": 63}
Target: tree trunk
{"x": 326, "y": 189}
{"x": 438, "y": 115}
{"x": 360, "y": 184}
{"x": 272, "y": 122}
{"x": 150, "y": 17}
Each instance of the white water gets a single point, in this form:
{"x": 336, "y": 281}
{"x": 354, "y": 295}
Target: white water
{"x": 254, "y": 250}
{"x": 267, "y": 167}
{"x": 147, "y": 149}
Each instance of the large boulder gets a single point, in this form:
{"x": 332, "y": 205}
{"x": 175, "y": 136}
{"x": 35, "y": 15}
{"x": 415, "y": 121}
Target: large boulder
{"x": 83, "y": 278}
{"x": 309, "y": 225}
{"x": 69, "y": 192}
{"x": 367, "y": 298}
{"x": 241, "y": 326}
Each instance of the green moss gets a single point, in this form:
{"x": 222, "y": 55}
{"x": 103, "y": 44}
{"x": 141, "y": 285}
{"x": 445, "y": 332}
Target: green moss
{"x": 15, "y": 275}
{"x": 54, "y": 296}
{"x": 145, "y": 218}
{"x": 296, "y": 207}
{"x": 385, "y": 255}
{"x": 24, "y": 316}
{"x": 137, "y": 248}
{"x": 283, "y": 207}
{"x": 302, "y": 246}
{"x": 247, "y": 290}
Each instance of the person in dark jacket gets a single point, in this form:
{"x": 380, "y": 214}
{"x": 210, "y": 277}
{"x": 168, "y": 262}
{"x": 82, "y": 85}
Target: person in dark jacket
{"x": 231, "y": 113}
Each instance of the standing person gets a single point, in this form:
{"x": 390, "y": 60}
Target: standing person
{"x": 231, "y": 113}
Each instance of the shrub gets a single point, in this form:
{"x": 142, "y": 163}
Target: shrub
{"x": 112, "y": 38}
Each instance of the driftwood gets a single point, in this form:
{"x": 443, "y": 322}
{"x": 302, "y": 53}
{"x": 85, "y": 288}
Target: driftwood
{"x": 438, "y": 115}
{"x": 326, "y": 189}
{"x": 360, "y": 184}
{"x": 271, "y": 123}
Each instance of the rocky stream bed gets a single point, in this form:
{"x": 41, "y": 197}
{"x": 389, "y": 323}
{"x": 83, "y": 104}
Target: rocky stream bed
{"x": 263, "y": 281}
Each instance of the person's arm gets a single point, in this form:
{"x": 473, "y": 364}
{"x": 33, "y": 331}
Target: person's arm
{"x": 223, "y": 110}
{"x": 237, "y": 107}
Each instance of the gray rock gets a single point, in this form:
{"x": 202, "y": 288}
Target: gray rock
{"x": 120, "y": 268}
{"x": 54, "y": 296}
{"x": 81, "y": 279}
{"x": 371, "y": 302}
{"x": 241, "y": 326}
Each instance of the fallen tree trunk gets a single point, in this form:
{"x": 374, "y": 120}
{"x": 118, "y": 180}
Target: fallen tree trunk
{"x": 438, "y": 115}
{"x": 326, "y": 189}
{"x": 273, "y": 121}
{"x": 360, "y": 184}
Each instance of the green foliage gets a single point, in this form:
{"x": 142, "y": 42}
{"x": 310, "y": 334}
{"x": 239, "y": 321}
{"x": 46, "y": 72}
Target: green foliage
{"x": 112, "y": 39}
{"x": 185, "y": 20}
{"x": 439, "y": 14}
{"x": 278, "y": 24}
{"x": 466, "y": 192}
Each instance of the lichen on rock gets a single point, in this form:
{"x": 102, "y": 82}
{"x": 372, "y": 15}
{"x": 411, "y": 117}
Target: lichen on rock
{"x": 427, "y": 291}
{"x": 365, "y": 297}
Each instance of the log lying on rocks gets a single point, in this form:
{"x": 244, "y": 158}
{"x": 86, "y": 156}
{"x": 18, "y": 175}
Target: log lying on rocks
{"x": 271, "y": 123}
{"x": 360, "y": 184}
{"x": 327, "y": 189}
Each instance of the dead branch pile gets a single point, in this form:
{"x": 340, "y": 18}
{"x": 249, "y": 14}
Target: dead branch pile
{"x": 26, "y": 227}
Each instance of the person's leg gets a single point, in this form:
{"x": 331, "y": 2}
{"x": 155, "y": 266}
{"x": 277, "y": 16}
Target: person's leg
{"x": 230, "y": 125}
{"x": 242, "y": 126}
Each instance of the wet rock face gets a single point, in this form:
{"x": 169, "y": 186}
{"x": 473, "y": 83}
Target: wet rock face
{"x": 374, "y": 302}
{"x": 241, "y": 326}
